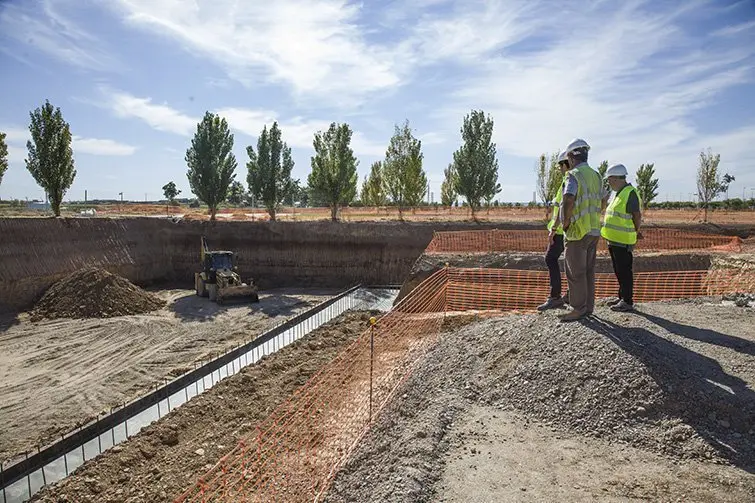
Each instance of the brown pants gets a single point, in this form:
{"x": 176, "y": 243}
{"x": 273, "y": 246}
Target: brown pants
{"x": 580, "y": 273}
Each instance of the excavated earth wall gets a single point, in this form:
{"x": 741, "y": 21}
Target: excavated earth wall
{"x": 36, "y": 252}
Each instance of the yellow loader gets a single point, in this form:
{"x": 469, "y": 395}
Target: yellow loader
{"x": 219, "y": 280}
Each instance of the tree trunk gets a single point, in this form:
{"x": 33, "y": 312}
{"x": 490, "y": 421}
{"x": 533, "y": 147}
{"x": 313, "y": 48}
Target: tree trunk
{"x": 271, "y": 212}
{"x": 55, "y": 205}
{"x": 213, "y": 210}
{"x": 334, "y": 212}
{"x": 474, "y": 215}
{"x": 400, "y": 213}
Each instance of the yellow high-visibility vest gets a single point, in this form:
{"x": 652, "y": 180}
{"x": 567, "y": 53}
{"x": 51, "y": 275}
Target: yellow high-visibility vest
{"x": 618, "y": 225}
{"x": 556, "y": 208}
{"x": 585, "y": 218}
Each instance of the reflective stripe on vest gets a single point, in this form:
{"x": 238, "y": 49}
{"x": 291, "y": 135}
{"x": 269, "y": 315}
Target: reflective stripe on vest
{"x": 618, "y": 225}
{"x": 585, "y": 218}
{"x": 556, "y": 208}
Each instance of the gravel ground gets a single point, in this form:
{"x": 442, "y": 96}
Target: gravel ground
{"x": 674, "y": 381}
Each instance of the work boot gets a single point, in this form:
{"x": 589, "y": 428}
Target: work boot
{"x": 551, "y": 303}
{"x": 622, "y": 307}
{"x": 565, "y": 298}
{"x": 613, "y": 302}
{"x": 572, "y": 316}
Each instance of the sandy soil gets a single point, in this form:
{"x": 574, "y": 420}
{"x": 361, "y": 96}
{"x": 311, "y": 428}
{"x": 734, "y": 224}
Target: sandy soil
{"x": 56, "y": 374}
{"x": 657, "y": 406}
{"x": 503, "y": 456}
{"x": 521, "y": 214}
{"x": 168, "y": 456}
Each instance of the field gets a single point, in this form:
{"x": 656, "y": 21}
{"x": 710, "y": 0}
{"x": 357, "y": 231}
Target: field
{"x": 356, "y": 214}
{"x": 476, "y": 404}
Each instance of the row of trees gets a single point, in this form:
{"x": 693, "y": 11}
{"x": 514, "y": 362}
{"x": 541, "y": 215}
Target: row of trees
{"x": 399, "y": 178}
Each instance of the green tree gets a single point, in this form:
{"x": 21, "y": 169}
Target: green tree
{"x": 269, "y": 169}
{"x": 647, "y": 184}
{"x": 602, "y": 168}
{"x": 236, "y": 193}
{"x": 475, "y": 162}
{"x": 405, "y": 180}
{"x": 50, "y": 159}
{"x": 334, "y": 168}
{"x": 170, "y": 191}
{"x": 372, "y": 188}
{"x": 725, "y": 184}
{"x": 211, "y": 161}
{"x": 549, "y": 177}
{"x": 3, "y": 156}
{"x": 708, "y": 179}
{"x": 448, "y": 194}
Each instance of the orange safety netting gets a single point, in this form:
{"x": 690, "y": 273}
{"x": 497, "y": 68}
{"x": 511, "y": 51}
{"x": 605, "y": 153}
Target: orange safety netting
{"x": 501, "y": 240}
{"x": 300, "y": 446}
{"x": 295, "y": 452}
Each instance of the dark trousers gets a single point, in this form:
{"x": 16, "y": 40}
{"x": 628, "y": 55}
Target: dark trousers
{"x": 551, "y": 260}
{"x": 622, "y": 266}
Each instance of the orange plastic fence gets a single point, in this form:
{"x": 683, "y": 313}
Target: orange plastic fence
{"x": 501, "y": 240}
{"x": 295, "y": 453}
{"x": 298, "y": 449}
{"x": 513, "y": 289}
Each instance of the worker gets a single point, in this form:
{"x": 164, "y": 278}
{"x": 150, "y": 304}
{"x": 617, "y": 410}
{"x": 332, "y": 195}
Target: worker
{"x": 556, "y": 243}
{"x": 580, "y": 211}
{"x": 621, "y": 228}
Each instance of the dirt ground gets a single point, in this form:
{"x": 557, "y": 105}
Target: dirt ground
{"x": 166, "y": 457}
{"x": 653, "y": 406}
{"x": 520, "y": 214}
{"x": 57, "y": 374}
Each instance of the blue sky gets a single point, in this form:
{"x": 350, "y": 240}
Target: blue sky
{"x": 640, "y": 81}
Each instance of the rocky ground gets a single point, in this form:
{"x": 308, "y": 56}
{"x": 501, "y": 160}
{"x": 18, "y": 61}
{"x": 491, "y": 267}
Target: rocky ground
{"x": 522, "y": 408}
{"x": 168, "y": 456}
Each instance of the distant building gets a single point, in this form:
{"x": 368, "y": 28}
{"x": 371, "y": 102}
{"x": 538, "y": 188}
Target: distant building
{"x": 37, "y": 205}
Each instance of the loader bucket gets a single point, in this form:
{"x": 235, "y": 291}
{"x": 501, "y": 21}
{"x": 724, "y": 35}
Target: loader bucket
{"x": 239, "y": 293}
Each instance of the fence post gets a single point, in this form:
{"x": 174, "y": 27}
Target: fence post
{"x": 373, "y": 320}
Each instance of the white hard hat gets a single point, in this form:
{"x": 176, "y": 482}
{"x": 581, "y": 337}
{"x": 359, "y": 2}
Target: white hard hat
{"x": 561, "y": 157}
{"x": 576, "y": 143}
{"x": 616, "y": 170}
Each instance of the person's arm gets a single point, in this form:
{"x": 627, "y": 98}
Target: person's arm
{"x": 633, "y": 207}
{"x": 570, "y": 197}
{"x": 568, "y": 207}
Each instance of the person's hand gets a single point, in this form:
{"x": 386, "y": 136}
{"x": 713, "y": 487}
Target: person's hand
{"x": 550, "y": 237}
{"x": 639, "y": 235}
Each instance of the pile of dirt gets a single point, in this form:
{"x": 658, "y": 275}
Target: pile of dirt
{"x": 675, "y": 381}
{"x": 94, "y": 293}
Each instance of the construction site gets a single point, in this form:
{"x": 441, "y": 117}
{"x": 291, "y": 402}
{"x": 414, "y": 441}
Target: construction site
{"x": 368, "y": 361}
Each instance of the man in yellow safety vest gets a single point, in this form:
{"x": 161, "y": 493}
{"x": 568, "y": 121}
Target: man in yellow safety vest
{"x": 556, "y": 243}
{"x": 621, "y": 228}
{"x": 580, "y": 212}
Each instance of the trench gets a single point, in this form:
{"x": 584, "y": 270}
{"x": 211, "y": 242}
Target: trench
{"x": 21, "y": 480}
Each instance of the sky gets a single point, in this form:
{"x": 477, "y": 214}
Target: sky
{"x": 641, "y": 81}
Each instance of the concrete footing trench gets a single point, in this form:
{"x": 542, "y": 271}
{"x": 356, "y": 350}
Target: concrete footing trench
{"x": 496, "y": 405}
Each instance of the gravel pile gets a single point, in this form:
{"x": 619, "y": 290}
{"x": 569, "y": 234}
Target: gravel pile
{"x": 94, "y": 293}
{"x": 648, "y": 381}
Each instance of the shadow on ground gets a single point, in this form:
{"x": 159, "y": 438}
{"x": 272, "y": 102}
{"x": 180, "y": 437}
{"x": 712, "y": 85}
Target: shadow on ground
{"x": 193, "y": 308}
{"x": 7, "y": 321}
{"x": 720, "y": 407}
{"x": 702, "y": 334}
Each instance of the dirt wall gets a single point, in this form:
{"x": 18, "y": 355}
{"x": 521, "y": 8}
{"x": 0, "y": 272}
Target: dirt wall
{"x": 35, "y": 252}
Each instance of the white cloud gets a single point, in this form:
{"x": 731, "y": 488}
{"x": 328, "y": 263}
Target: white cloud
{"x": 734, "y": 29}
{"x": 629, "y": 85}
{"x": 159, "y": 116}
{"x": 41, "y": 26}
{"x": 317, "y": 48}
{"x": 17, "y": 137}
{"x": 96, "y": 146}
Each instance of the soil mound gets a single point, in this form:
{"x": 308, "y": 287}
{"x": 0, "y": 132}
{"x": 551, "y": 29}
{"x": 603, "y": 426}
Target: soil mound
{"x": 94, "y": 293}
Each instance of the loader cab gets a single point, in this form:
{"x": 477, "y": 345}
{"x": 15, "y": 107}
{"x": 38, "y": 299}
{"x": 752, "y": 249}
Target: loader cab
{"x": 217, "y": 261}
